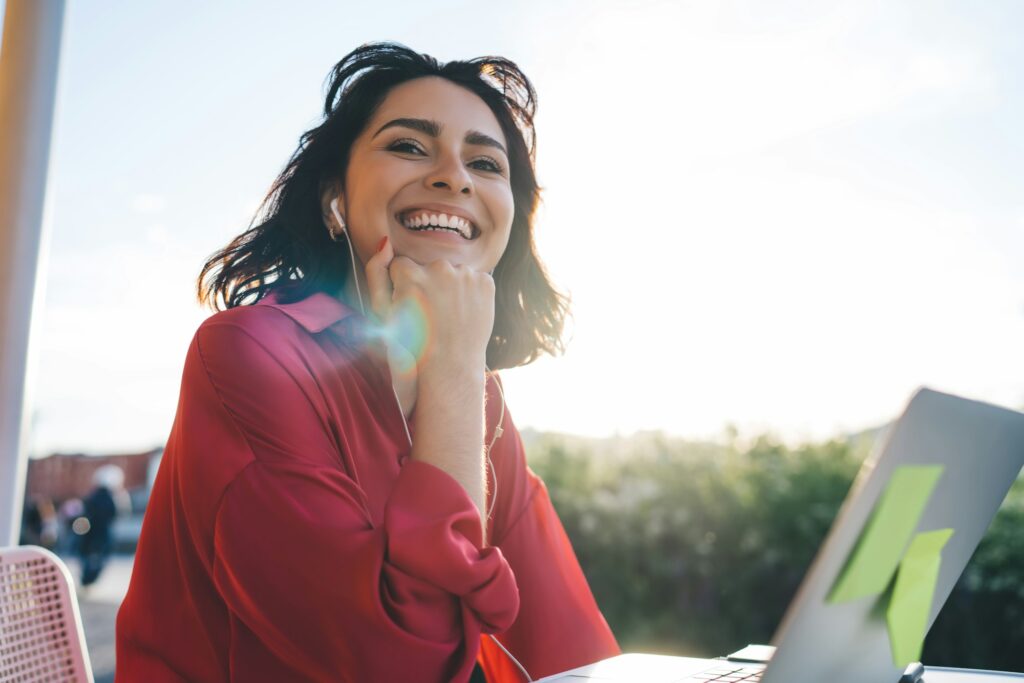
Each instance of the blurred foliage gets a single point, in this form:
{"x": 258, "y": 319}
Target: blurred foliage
{"x": 696, "y": 549}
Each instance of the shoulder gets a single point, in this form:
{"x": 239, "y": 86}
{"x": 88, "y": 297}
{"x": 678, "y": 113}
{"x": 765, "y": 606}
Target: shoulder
{"x": 271, "y": 350}
{"x": 255, "y": 331}
{"x": 246, "y": 346}
{"x": 256, "y": 320}
{"x": 277, "y": 317}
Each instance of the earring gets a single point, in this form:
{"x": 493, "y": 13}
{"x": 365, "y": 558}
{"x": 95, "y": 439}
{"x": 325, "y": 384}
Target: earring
{"x": 338, "y": 219}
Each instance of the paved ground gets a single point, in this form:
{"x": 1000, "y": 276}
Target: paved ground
{"x": 98, "y": 605}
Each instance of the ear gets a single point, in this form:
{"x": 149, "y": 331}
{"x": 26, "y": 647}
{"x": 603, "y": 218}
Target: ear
{"x": 328, "y": 192}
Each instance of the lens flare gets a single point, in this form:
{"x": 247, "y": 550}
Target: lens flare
{"x": 406, "y": 335}
{"x": 409, "y": 329}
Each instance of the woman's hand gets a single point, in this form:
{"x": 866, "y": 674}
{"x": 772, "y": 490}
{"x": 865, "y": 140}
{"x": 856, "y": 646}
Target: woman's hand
{"x": 452, "y": 306}
{"x": 436, "y": 317}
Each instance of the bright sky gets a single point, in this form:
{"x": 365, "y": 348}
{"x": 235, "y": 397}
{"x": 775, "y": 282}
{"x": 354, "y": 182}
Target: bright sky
{"x": 784, "y": 216}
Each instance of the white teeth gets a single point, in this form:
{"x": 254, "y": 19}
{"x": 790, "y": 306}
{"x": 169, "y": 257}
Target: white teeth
{"x": 440, "y": 221}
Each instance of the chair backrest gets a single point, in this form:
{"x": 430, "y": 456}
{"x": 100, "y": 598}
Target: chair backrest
{"x": 41, "y": 636}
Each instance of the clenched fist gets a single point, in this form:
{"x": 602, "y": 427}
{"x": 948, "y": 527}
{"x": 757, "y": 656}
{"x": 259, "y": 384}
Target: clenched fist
{"x": 441, "y": 315}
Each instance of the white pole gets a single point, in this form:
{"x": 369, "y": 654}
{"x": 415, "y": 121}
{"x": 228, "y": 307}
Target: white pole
{"x": 29, "y": 55}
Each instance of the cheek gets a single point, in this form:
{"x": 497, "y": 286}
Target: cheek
{"x": 503, "y": 209}
{"x": 377, "y": 178}
{"x": 371, "y": 193}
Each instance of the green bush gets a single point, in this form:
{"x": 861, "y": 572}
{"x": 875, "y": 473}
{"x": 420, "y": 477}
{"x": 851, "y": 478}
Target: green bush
{"x": 697, "y": 549}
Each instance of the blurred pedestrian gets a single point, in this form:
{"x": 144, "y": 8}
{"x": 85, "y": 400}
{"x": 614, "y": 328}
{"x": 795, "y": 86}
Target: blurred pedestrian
{"x": 39, "y": 522}
{"x": 30, "y": 523}
{"x": 94, "y": 526}
{"x": 68, "y": 511}
{"x": 49, "y": 531}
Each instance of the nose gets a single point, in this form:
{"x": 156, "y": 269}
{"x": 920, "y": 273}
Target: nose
{"x": 451, "y": 174}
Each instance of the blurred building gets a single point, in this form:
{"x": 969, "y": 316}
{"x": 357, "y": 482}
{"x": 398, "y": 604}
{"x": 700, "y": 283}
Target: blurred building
{"x": 61, "y": 479}
{"x": 62, "y": 476}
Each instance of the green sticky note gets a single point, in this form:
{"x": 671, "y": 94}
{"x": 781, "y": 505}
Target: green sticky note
{"x": 911, "y": 601}
{"x": 877, "y": 553}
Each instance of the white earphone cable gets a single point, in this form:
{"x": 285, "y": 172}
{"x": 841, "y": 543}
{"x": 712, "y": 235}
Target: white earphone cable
{"x": 492, "y": 473}
{"x": 351, "y": 252}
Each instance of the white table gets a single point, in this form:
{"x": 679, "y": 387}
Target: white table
{"x": 938, "y": 674}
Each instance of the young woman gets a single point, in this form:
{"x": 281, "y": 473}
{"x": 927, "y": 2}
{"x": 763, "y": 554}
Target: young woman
{"x": 344, "y": 496}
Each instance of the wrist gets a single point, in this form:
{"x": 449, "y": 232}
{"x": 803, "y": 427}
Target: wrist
{"x": 462, "y": 368}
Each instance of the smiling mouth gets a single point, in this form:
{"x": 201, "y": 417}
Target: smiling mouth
{"x": 419, "y": 220}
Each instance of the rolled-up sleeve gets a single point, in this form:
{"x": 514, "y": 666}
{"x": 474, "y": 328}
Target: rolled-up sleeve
{"x": 314, "y": 589}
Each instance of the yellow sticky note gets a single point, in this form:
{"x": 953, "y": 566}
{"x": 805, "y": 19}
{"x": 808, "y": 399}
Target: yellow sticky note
{"x": 877, "y": 553}
{"x": 911, "y": 598}
{"x": 911, "y": 601}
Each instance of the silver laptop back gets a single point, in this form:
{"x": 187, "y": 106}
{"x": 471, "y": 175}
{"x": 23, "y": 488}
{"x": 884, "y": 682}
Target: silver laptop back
{"x": 976, "y": 451}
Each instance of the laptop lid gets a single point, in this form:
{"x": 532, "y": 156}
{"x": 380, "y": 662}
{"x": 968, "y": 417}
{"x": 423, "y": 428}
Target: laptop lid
{"x": 917, "y": 509}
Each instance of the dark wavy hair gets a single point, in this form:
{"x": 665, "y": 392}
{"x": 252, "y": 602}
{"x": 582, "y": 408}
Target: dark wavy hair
{"x": 287, "y": 246}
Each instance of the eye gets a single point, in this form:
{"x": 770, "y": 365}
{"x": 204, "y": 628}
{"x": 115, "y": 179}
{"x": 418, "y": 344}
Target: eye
{"x": 488, "y": 164}
{"x": 406, "y": 146}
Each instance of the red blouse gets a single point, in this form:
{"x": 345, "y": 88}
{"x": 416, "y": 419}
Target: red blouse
{"x": 289, "y": 537}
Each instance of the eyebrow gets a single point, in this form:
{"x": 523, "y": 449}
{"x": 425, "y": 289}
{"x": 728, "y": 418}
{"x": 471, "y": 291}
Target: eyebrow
{"x": 433, "y": 129}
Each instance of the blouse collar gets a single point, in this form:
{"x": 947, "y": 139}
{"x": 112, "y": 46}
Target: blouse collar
{"x": 315, "y": 313}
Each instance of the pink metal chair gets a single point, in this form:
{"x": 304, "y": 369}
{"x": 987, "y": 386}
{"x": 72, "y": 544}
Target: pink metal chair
{"x": 41, "y": 636}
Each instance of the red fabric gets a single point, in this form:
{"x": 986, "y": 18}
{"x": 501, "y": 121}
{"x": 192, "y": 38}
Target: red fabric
{"x": 289, "y": 537}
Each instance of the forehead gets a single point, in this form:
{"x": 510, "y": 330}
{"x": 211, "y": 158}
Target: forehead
{"x": 455, "y": 108}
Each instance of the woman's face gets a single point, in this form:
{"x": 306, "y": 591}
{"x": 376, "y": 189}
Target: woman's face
{"x": 432, "y": 153}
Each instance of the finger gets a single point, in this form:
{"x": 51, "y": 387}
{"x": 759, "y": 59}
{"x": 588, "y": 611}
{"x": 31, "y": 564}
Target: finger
{"x": 406, "y": 275}
{"x": 378, "y": 278}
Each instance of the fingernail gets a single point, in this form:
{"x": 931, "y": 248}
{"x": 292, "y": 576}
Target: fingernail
{"x": 383, "y": 242}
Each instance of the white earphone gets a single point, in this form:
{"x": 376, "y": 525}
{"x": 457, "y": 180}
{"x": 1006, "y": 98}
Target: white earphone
{"x": 337, "y": 216}
{"x": 351, "y": 252}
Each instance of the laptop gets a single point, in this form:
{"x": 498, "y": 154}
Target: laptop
{"x": 917, "y": 509}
